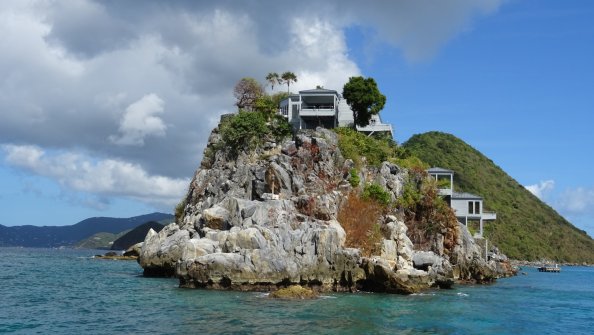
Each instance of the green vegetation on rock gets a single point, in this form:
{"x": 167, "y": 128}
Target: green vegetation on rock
{"x": 354, "y": 178}
{"x": 377, "y": 193}
{"x": 248, "y": 130}
{"x": 526, "y": 228}
{"x": 356, "y": 145}
{"x": 425, "y": 212}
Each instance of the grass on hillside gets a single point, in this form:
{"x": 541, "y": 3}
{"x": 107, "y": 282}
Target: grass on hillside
{"x": 526, "y": 228}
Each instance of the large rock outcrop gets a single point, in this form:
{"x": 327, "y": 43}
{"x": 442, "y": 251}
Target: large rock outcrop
{"x": 268, "y": 218}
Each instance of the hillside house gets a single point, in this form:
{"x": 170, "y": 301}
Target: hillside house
{"x": 325, "y": 108}
{"x": 466, "y": 206}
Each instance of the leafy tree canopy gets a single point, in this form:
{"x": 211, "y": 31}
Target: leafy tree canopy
{"x": 364, "y": 98}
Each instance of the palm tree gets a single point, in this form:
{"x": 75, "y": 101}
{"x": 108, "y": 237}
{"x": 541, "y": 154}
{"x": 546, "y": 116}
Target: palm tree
{"x": 273, "y": 78}
{"x": 289, "y": 77}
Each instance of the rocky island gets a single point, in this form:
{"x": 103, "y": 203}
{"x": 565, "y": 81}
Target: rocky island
{"x": 271, "y": 210}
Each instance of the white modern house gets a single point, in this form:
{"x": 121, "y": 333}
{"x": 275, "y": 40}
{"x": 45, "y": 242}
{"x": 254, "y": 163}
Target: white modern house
{"x": 325, "y": 108}
{"x": 466, "y": 206}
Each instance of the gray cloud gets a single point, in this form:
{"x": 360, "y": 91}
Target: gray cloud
{"x": 70, "y": 70}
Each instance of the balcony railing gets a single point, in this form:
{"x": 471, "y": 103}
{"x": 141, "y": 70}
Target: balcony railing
{"x": 325, "y": 110}
{"x": 377, "y": 127}
{"x": 489, "y": 216}
{"x": 317, "y": 106}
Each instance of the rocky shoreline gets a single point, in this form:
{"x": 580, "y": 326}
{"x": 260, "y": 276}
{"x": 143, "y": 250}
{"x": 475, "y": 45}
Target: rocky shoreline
{"x": 268, "y": 219}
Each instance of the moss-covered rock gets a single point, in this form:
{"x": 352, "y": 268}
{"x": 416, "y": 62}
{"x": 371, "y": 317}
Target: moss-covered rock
{"x": 294, "y": 292}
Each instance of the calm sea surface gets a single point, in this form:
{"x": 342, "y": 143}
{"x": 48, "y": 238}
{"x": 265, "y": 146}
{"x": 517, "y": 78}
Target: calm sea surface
{"x": 45, "y": 291}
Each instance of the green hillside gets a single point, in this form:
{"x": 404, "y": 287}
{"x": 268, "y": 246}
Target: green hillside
{"x": 526, "y": 228}
{"x": 99, "y": 240}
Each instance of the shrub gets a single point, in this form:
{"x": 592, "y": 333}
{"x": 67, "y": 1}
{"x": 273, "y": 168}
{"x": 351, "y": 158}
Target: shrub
{"x": 279, "y": 127}
{"x": 377, "y": 193}
{"x": 243, "y": 130}
{"x": 359, "y": 217}
{"x": 179, "y": 210}
{"x": 355, "y": 145}
{"x": 409, "y": 162}
{"x": 425, "y": 212}
{"x": 354, "y": 178}
{"x": 248, "y": 130}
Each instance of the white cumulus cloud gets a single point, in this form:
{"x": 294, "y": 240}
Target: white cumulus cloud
{"x": 140, "y": 121}
{"x": 75, "y": 75}
{"x": 541, "y": 189}
{"x": 108, "y": 177}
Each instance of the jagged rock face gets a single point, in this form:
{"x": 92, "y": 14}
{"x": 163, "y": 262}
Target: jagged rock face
{"x": 268, "y": 218}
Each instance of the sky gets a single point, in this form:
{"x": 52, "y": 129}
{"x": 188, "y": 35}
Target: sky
{"x": 106, "y": 106}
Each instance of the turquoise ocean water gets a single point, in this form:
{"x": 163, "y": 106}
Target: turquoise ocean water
{"x": 45, "y": 291}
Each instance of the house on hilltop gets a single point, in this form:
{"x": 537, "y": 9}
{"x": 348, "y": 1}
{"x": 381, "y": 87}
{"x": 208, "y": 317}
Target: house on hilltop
{"x": 325, "y": 108}
{"x": 466, "y": 206}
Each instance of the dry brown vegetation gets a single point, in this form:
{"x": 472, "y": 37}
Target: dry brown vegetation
{"x": 426, "y": 214}
{"x": 360, "y": 220}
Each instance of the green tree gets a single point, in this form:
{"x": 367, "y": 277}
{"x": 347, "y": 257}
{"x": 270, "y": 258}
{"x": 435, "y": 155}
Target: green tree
{"x": 273, "y": 78}
{"x": 244, "y": 130}
{"x": 364, "y": 98}
{"x": 266, "y": 106}
{"x": 247, "y": 91}
{"x": 288, "y": 78}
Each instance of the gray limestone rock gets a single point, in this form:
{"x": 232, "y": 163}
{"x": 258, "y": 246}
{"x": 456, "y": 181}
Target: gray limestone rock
{"x": 269, "y": 218}
{"x": 161, "y": 251}
{"x": 425, "y": 259}
{"x": 216, "y": 217}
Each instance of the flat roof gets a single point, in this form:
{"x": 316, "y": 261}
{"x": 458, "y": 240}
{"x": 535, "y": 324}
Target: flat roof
{"x": 318, "y": 91}
{"x": 439, "y": 170}
{"x": 466, "y": 196}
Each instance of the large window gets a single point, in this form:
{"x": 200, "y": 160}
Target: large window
{"x": 474, "y": 207}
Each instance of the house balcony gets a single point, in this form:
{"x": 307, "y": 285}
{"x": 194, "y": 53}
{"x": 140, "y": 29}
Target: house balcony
{"x": 489, "y": 216}
{"x": 375, "y": 128}
{"x": 317, "y": 111}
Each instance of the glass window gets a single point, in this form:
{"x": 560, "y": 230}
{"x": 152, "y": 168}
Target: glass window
{"x": 470, "y": 208}
{"x": 477, "y": 207}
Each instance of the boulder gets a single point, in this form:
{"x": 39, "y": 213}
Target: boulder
{"x": 161, "y": 251}
{"x": 216, "y": 217}
{"x": 134, "y": 250}
{"x": 422, "y": 260}
{"x": 294, "y": 292}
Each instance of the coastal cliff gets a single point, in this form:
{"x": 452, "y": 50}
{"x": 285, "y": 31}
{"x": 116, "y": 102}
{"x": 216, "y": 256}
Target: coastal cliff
{"x": 263, "y": 218}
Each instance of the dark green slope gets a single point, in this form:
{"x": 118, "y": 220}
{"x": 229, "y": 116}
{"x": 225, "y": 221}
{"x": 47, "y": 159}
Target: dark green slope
{"x": 135, "y": 235}
{"x": 526, "y": 228}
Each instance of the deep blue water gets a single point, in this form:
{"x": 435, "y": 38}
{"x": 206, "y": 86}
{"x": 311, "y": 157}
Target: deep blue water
{"x": 45, "y": 291}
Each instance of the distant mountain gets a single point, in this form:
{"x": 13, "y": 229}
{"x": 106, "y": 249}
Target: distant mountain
{"x": 56, "y": 236}
{"x": 526, "y": 228}
{"x": 135, "y": 235}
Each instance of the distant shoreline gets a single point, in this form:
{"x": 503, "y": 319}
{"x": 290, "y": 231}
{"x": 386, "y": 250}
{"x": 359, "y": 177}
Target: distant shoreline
{"x": 517, "y": 262}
